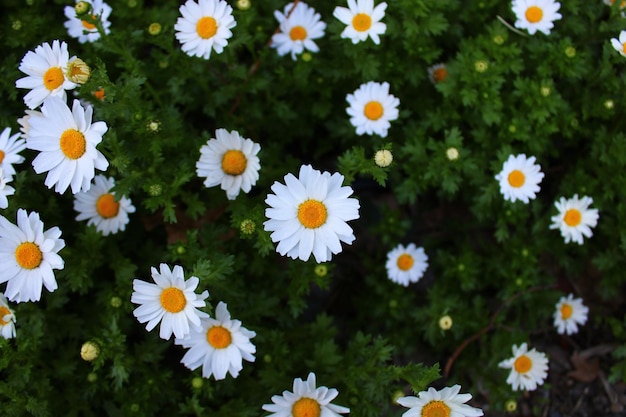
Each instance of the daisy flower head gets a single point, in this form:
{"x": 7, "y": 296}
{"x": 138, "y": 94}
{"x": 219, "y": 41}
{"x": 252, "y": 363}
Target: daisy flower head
{"x": 362, "y": 20}
{"x": 230, "y": 161}
{"x": 171, "y": 301}
{"x": 529, "y": 368}
{"x": 10, "y": 148}
{"x": 28, "y": 255}
{"x": 66, "y": 140}
{"x": 5, "y": 191}
{"x": 7, "y": 319}
{"x": 437, "y": 73}
{"x": 85, "y": 30}
{"x": 446, "y": 402}
{"x": 406, "y": 264}
{"x": 298, "y": 27}
{"x": 309, "y": 214}
{"x": 536, "y": 15}
{"x": 100, "y": 208}
{"x": 575, "y": 219}
{"x": 305, "y": 400}
{"x": 204, "y": 26}
{"x": 569, "y": 313}
{"x": 372, "y": 108}
{"x": 45, "y": 70}
{"x": 219, "y": 346}
{"x": 620, "y": 43}
{"x": 519, "y": 178}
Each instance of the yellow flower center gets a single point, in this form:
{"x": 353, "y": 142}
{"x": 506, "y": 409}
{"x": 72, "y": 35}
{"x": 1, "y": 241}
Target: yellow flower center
{"x": 440, "y": 74}
{"x": 306, "y": 407}
{"x": 206, "y": 27}
{"x": 219, "y": 337}
{"x": 53, "y": 78}
{"x": 566, "y": 311}
{"x": 405, "y": 262}
{"x": 572, "y": 217}
{"x": 234, "y": 162}
{"x": 28, "y": 255}
{"x": 87, "y": 25}
{"x": 436, "y": 409}
{"x": 361, "y": 22}
{"x": 373, "y": 110}
{"x": 173, "y": 300}
{"x": 312, "y": 214}
{"x": 3, "y": 312}
{"x": 106, "y": 206}
{"x": 534, "y": 14}
{"x": 1, "y": 156}
{"x": 516, "y": 178}
{"x": 523, "y": 364}
{"x": 297, "y": 33}
{"x": 73, "y": 143}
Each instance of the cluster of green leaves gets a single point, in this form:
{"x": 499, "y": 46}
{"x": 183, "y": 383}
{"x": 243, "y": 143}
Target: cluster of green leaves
{"x": 495, "y": 267}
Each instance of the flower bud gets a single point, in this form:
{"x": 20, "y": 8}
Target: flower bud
{"x": 445, "y": 322}
{"x": 89, "y": 351}
{"x": 243, "y": 4}
{"x": 77, "y": 71}
{"x": 452, "y": 154}
{"x": 154, "y": 28}
{"x": 383, "y": 158}
{"x": 82, "y": 8}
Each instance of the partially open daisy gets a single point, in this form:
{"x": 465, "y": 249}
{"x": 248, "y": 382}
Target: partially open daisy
{"x": 219, "y": 346}
{"x": 45, "y": 69}
{"x": 575, "y": 218}
{"x": 230, "y": 161}
{"x": 306, "y": 400}
{"x": 100, "y": 208}
{"x": 10, "y": 148}
{"x": 437, "y": 73}
{"x": 5, "y": 191}
{"x": 569, "y": 313}
{"x": 28, "y": 255}
{"x": 529, "y": 368}
{"x": 66, "y": 140}
{"x": 83, "y": 29}
{"x": 406, "y": 264}
{"x": 536, "y": 15}
{"x": 204, "y": 26}
{"x": 7, "y": 319}
{"x": 172, "y": 301}
{"x": 620, "y": 44}
{"x": 444, "y": 403}
{"x": 372, "y": 108}
{"x": 519, "y": 178}
{"x": 310, "y": 213}
{"x": 298, "y": 28}
{"x": 362, "y": 20}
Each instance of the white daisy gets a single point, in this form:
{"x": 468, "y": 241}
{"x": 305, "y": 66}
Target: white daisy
{"x": 519, "y": 178}
{"x": 100, "y": 208}
{"x": 529, "y": 368}
{"x": 569, "y": 313}
{"x": 620, "y": 44}
{"x": 66, "y": 140}
{"x": 24, "y": 122}
{"x": 437, "y": 73}
{"x": 406, "y": 264}
{"x": 446, "y": 402}
{"x": 575, "y": 218}
{"x": 7, "y": 319}
{"x": 10, "y": 147}
{"x": 172, "y": 301}
{"x": 305, "y": 400}
{"x": 309, "y": 214}
{"x": 82, "y": 29}
{"x": 230, "y": 161}
{"x": 362, "y": 20}
{"x": 5, "y": 191}
{"x": 372, "y": 108}
{"x": 219, "y": 346}
{"x": 536, "y": 15}
{"x": 28, "y": 255}
{"x": 45, "y": 69}
{"x": 298, "y": 28}
{"x": 204, "y": 26}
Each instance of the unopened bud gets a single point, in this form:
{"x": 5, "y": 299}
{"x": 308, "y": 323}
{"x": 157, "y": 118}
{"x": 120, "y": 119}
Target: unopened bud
{"x": 78, "y": 71}
{"x": 89, "y": 351}
{"x": 383, "y": 158}
{"x": 82, "y": 8}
